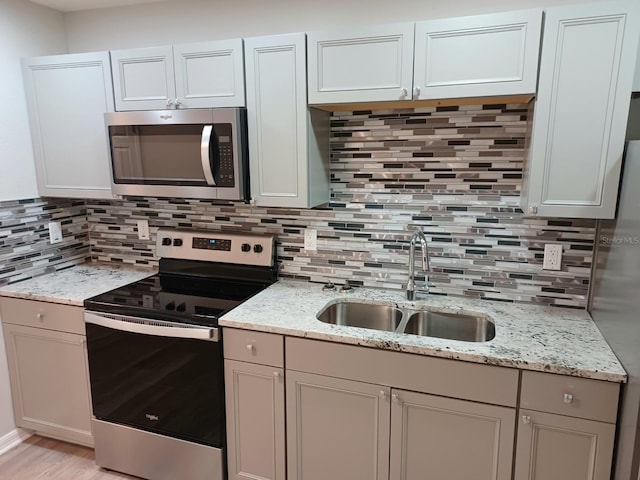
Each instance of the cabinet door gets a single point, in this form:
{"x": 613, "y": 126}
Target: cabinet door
{"x": 143, "y": 78}
{"x": 336, "y": 429}
{"x": 365, "y": 64}
{"x": 209, "y": 74}
{"x": 49, "y": 382}
{"x": 285, "y": 172}
{"x": 554, "y": 447}
{"x": 67, "y": 97}
{"x": 255, "y": 421}
{"x": 580, "y": 116}
{"x": 477, "y": 56}
{"x": 452, "y": 439}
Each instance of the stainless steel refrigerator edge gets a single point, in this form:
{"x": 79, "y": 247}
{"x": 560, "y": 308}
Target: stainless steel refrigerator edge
{"x": 615, "y": 297}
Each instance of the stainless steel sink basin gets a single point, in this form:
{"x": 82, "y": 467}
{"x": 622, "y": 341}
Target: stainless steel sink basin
{"x": 466, "y": 327}
{"x": 452, "y": 326}
{"x": 363, "y": 315}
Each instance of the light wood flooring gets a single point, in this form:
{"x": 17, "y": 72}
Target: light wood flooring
{"x": 39, "y": 458}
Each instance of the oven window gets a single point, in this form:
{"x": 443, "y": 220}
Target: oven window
{"x": 169, "y": 386}
{"x": 157, "y": 154}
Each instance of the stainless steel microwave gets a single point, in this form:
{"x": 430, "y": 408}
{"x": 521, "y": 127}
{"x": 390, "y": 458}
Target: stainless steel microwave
{"x": 198, "y": 153}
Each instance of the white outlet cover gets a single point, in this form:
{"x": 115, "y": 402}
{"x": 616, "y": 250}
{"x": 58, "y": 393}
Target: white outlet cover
{"x": 55, "y": 232}
{"x": 552, "y": 257}
{"x": 311, "y": 240}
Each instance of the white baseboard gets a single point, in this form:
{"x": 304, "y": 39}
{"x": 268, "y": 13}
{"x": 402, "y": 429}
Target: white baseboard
{"x": 12, "y": 439}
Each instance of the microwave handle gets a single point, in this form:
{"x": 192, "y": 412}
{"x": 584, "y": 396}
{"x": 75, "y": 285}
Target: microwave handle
{"x": 205, "y": 157}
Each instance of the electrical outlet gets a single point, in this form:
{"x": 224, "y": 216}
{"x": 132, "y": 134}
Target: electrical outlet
{"x": 55, "y": 232}
{"x": 310, "y": 240}
{"x": 143, "y": 229}
{"x": 552, "y": 257}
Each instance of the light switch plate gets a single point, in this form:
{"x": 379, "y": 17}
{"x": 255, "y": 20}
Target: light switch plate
{"x": 552, "y": 257}
{"x": 55, "y": 232}
{"x": 143, "y": 229}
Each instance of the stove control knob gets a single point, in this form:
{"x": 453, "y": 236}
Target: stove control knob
{"x": 245, "y": 247}
{"x": 181, "y": 307}
{"x": 257, "y": 248}
{"x": 171, "y": 306}
{"x": 166, "y": 241}
{"x": 177, "y": 242}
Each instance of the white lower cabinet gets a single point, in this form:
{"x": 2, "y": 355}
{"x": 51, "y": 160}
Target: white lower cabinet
{"x": 255, "y": 405}
{"x": 336, "y": 428}
{"x": 566, "y": 429}
{"x": 48, "y": 369}
{"x": 357, "y": 413}
{"x": 449, "y": 438}
{"x": 342, "y": 428}
{"x": 555, "y": 447}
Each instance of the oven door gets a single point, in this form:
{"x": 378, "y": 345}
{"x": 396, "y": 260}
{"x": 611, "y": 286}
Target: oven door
{"x": 154, "y": 377}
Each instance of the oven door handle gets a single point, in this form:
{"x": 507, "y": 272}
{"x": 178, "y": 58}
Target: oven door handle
{"x": 205, "y": 155}
{"x": 140, "y": 325}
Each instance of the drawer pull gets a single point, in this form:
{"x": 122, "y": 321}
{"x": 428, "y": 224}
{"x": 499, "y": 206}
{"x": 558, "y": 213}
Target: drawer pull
{"x": 395, "y": 397}
{"x": 250, "y": 347}
{"x": 383, "y": 394}
{"x": 276, "y": 375}
{"x": 568, "y": 398}
{"x": 40, "y": 316}
{"x": 526, "y": 419}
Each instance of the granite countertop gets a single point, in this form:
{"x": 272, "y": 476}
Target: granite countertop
{"x": 73, "y": 285}
{"x": 530, "y": 337}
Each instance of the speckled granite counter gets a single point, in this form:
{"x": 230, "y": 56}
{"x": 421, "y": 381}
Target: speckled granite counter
{"x": 72, "y": 286}
{"x": 529, "y": 337}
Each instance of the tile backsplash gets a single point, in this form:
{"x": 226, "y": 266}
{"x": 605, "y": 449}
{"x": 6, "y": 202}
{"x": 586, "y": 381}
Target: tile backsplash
{"x": 25, "y": 250}
{"x": 454, "y": 172}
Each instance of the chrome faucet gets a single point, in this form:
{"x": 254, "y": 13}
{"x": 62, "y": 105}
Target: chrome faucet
{"x": 411, "y": 284}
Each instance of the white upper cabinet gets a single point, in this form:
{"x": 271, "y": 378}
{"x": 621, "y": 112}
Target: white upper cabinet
{"x": 364, "y": 64}
{"x": 288, "y": 142}
{"x": 195, "y": 75}
{"x": 477, "y": 56}
{"x": 580, "y": 116}
{"x": 67, "y": 97}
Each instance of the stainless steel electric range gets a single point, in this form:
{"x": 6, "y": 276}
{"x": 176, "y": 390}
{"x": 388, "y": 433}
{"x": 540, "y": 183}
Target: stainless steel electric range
{"x": 155, "y": 355}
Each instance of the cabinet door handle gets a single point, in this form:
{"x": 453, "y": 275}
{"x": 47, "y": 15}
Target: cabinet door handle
{"x": 250, "y": 347}
{"x": 404, "y": 92}
{"x": 383, "y": 394}
{"x": 568, "y": 398}
{"x": 395, "y": 397}
{"x": 416, "y": 92}
{"x": 526, "y": 419}
{"x": 169, "y": 102}
{"x": 178, "y": 103}
{"x": 276, "y": 375}
{"x": 40, "y": 316}
{"x": 533, "y": 209}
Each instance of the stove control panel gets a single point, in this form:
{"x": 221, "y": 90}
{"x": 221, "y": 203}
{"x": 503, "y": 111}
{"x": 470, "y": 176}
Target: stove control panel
{"x": 239, "y": 248}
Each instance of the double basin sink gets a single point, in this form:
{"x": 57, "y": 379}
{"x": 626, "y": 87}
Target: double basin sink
{"x": 466, "y": 327}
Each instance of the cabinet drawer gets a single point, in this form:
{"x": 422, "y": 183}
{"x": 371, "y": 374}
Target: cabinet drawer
{"x": 33, "y": 313}
{"x": 254, "y": 347}
{"x": 574, "y": 397}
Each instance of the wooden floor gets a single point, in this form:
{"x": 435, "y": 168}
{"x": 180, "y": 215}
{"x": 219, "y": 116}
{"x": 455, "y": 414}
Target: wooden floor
{"x": 39, "y": 458}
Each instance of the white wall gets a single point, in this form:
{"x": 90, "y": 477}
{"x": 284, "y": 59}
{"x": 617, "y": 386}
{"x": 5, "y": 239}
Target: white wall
{"x": 179, "y": 21}
{"x": 26, "y": 30}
